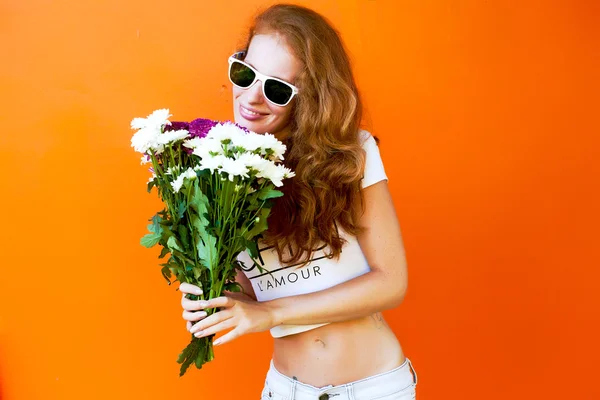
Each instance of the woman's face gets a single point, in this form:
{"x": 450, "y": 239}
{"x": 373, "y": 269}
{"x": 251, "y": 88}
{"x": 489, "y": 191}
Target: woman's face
{"x": 269, "y": 55}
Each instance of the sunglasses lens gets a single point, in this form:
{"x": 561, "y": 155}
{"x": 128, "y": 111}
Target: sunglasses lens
{"x": 277, "y": 92}
{"x": 240, "y": 74}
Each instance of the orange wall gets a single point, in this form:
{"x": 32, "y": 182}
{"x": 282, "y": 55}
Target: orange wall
{"x": 488, "y": 115}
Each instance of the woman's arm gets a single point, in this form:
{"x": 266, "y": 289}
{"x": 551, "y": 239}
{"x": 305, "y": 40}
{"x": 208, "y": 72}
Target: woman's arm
{"x": 380, "y": 289}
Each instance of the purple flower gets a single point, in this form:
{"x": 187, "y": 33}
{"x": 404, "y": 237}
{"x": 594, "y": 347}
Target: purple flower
{"x": 200, "y": 127}
{"x": 241, "y": 127}
{"x": 176, "y": 125}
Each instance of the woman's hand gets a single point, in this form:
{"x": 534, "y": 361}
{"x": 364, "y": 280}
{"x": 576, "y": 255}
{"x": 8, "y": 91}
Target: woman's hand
{"x": 237, "y": 311}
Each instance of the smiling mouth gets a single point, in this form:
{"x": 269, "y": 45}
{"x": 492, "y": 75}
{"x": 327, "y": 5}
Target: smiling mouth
{"x": 251, "y": 112}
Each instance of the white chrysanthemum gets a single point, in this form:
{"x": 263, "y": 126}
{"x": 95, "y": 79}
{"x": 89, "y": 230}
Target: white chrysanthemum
{"x": 145, "y": 159}
{"x": 224, "y": 131}
{"x": 270, "y": 171}
{"x": 190, "y": 173}
{"x": 255, "y": 161}
{"x": 138, "y": 123}
{"x": 146, "y": 139}
{"x": 212, "y": 163}
{"x": 172, "y": 170}
{"x": 234, "y": 167}
{"x": 267, "y": 143}
{"x": 276, "y": 173}
{"x": 153, "y": 177}
{"x": 271, "y": 142}
{"x": 178, "y": 183}
{"x": 172, "y": 136}
{"x": 155, "y": 120}
{"x": 207, "y": 146}
{"x": 278, "y": 153}
{"x": 193, "y": 143}
{"x": 150, "y": 128}
{"x": 287, "y": 173}
{"x": 250, "y": 141}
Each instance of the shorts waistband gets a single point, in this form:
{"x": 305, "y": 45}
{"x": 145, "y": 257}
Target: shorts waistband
{"x": 398, "y": 378}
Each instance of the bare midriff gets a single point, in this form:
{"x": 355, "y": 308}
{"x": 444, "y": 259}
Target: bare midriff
{"x": 340, "y": 352}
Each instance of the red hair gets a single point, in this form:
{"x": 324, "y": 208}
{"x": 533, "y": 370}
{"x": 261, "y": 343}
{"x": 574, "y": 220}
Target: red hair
{"x": 324, "y": 148}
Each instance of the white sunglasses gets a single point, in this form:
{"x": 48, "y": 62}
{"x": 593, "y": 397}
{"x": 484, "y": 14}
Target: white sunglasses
{"x": 275, "y": 90}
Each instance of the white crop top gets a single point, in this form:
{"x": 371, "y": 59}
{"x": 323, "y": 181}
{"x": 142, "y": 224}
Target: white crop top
{"x": 321, "y": 272}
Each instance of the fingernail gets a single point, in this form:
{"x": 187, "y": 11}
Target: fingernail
{"x": 217, "y": 342}
{"x": 198, "y": 334}
{"x": 198, "y": 291}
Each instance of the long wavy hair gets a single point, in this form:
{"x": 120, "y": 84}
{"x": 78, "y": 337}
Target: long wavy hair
{"x": 324, "y": 147}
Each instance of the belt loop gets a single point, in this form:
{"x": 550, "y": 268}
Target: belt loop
{"x": 413, "y": 371}
{"x": 350, "y": 391}
{"x": 293, "y": 391}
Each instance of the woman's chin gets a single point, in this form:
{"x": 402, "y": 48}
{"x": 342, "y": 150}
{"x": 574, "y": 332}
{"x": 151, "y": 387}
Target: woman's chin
{"x": 253, "y": 126}
{"x": 258, "y": 126}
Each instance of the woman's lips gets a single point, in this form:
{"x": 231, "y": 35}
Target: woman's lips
{"x": 249, "y": 115}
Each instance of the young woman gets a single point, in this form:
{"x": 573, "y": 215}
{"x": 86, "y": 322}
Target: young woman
{"x": 333, "y": 251}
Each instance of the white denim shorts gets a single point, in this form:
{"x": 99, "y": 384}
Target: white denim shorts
{"x": 398, "y": 384}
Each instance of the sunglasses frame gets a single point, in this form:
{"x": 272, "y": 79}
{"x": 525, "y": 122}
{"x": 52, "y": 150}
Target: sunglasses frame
{"x": 260, "y": 77}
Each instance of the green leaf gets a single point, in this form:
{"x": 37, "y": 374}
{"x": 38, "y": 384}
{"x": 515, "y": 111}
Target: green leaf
{"x": 164, "y": 252}
{"x": 260, "y": 224}
{"x": 166, "y": 233}
{"x": 183, "y": 257}
{"x": 206, "y": 244}
{"x": 199, "y": 200}
{"x": 252, "y": 247}
{"x": 150, "y": 239}
{"x": 156, "y": 227}
{"x": 197, "y": 272}
{"x": 166, "y": 273}
{"x": 162, "y": 217}
{"x": 201, "y": 353}
{"x": 150, "y": 185}
{"x": 232, "y": 287}
{"x": 183, "y": 355}
{"x": 269, "y": 193}
{"x": 173, "y": 245}
{"x": 181, "y": 209}
{"x": 188, "y": 355}
{"x": 183, "y": 235}
{"x": 207, "y": 250}
{"x": 154, "y": 237}
{"x": 200, "y": 224}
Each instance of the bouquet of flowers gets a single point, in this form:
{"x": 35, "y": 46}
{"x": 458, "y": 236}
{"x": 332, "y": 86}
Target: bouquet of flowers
{"x": 217, "y": 181}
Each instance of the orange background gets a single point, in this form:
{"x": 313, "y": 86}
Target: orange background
{"x": 488, "y": 115}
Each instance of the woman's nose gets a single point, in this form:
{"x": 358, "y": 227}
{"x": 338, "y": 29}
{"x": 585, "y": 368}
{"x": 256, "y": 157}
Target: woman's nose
{"x": 255, "y": 94}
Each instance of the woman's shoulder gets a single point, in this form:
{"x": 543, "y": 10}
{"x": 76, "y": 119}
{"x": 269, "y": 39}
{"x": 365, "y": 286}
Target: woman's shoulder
{"x": 368, "y": 141}
{"x": 374, "y": 169}
{"x": 364, "y": 135}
